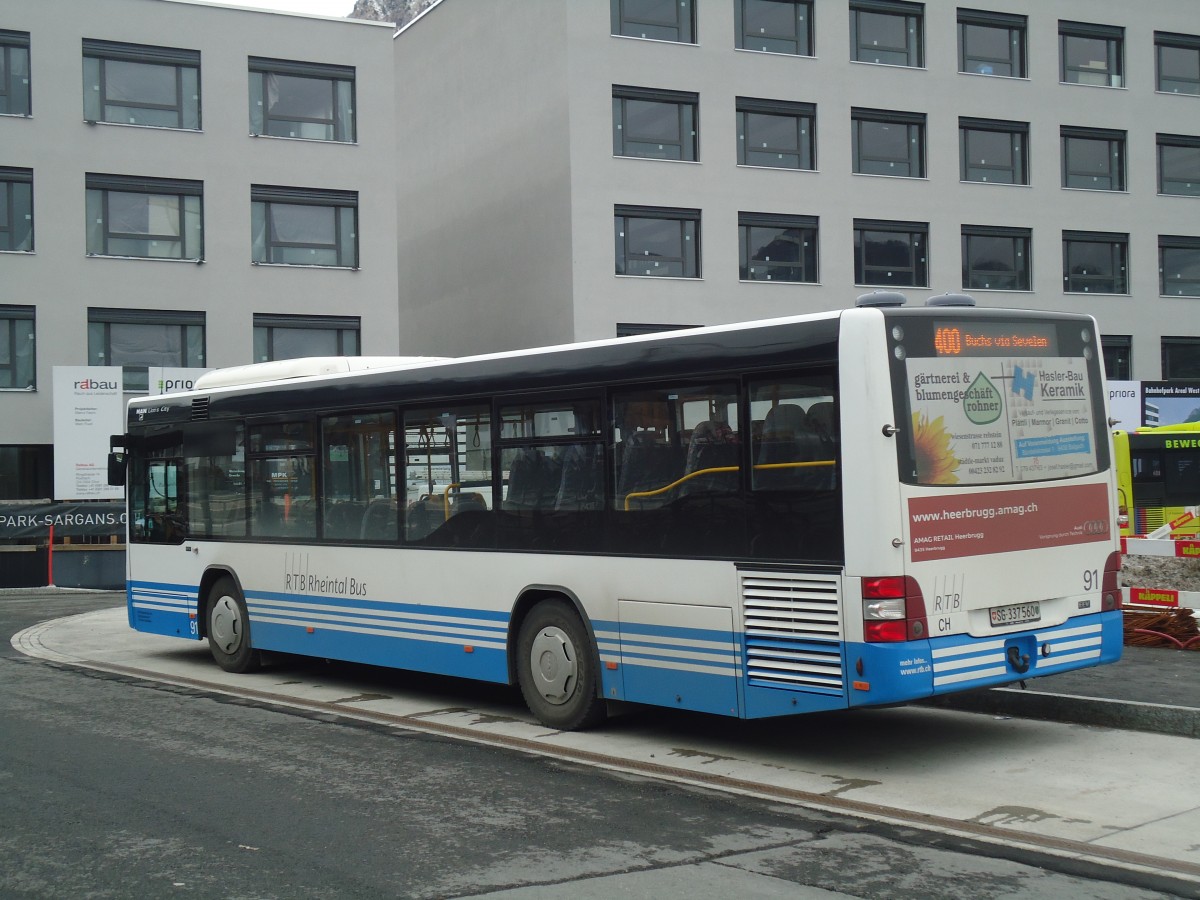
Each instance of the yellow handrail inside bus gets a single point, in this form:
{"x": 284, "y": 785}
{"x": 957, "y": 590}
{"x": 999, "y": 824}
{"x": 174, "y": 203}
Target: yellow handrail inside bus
{"x": 446, "y": 497}
{"x": 819, "y": 463}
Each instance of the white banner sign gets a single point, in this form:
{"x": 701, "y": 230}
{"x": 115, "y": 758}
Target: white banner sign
{"x": 88, "y": 409}
{"x": 166, "y": 380}
{"x": 1125, "y": 404}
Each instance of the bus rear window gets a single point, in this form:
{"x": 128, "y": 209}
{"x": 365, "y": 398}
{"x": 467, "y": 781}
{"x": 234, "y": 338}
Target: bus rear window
{"x": 996, "y": 401}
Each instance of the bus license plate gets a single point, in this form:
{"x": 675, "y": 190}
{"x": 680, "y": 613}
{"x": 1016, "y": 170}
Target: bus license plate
{"x": 1016, "y": 614}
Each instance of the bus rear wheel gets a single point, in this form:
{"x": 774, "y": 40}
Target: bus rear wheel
{"x": 557, "y": 669}
{"x": 229, "y": 629}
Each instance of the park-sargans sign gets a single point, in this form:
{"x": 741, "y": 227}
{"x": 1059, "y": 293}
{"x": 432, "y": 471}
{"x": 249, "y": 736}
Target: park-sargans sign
{"x": 32, "y": 521}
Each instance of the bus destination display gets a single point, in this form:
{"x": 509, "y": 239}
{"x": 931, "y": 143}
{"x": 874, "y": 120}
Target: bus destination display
{"x": 993, "y": 339}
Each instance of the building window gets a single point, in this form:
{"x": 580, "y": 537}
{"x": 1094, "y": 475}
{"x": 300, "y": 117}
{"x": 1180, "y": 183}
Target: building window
{"x": 1179, "y": 164}
{"x": 139, "y": 338}
{"x": 995, "y": 259}
{"x": 18, "y": 370}
{"x": 1181, "y": 358}
{"x": 659, "y": 20}
{"x": 1091, "y": 54}
{"x": 888, "y": 32}
{"x": 1177, "y": 62}
{"x": 14, "y": 73}
{"x": 1093, "y": 159}
{"x": 657, "y": 241}
{"x": 891, "y": 254}
{"x": 1118, "y": 356}
{"x": 132, "y": 84}
{"x": 888, "y": 143}
{"x": 1095, "y": 262}
{"x": 991, "y": 43}
{"x": 311, "y": 101}
{"x": 304, "y": 226}
{"x": 16, "y": 209}
{"x": 993, "y": 151}
{"x": 777, "y": 248}
{"x": 293, "y": 337}
{"x": 654, "y": 124}
{"x": 154, "y": 218}
{"x": 1179, "y": 265}
{"x": 775, "y": 26}
{"x": 26, "y": 471}
{"x": 776, "y": 134}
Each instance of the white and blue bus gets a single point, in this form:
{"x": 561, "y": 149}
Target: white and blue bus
{"x": 847, "y": 509}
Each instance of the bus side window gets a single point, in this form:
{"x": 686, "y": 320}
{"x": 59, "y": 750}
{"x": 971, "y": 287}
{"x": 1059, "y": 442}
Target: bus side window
{"x": 359, "y": 477}
{"x": 447, "y": 473}
{"x": 796, "y": 436}
{"x": 162, "y": 519}
{"x": 283, "y": 481}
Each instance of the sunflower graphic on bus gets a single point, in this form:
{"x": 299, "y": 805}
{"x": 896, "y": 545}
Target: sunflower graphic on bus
{"x": 936, "y": 462}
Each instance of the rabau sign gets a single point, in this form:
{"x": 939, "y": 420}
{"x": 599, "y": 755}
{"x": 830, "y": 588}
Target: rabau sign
{"x": 88, "y": 409}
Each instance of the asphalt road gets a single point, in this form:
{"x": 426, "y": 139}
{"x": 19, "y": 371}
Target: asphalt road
{"x": 118, "y": 787}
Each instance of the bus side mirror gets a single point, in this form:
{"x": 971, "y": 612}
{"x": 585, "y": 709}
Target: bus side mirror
{"x": 116, "y": 469}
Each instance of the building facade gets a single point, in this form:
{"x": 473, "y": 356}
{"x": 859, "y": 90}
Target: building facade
{"x": 185, "y": 185}
{"x": 579, "y": 170}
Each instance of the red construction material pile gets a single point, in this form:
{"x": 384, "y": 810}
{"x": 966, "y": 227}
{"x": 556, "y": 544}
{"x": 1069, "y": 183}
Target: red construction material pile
{"x": 1162, "y": 628}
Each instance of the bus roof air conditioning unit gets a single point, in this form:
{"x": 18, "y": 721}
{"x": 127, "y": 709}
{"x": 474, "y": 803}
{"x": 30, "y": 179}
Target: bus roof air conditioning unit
{"x": 949, "y": 299}
{"x": 881, "y": 298}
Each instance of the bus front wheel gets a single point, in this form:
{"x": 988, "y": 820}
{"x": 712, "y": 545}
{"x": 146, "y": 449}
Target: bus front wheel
{"x": 229, "y": 629}
{"x": 557, "y": 669}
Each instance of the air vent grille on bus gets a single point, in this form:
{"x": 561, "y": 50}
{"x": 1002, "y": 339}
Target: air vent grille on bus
{"x": 793, "y": 630}
{"x": 199, "y": 409}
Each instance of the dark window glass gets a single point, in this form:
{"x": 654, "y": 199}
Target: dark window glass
{"x": 776, "y": 134}
{"x": 26, "y": 471}
{"x": 18, "y": 369}
{"x": 16, "y": 209}
{"x": 991, "y": 43}
{"x": 448, "y": 476}
{"x": 891, "y": 254}
{"x": 1181, "y": 358}
{"x": 1093, "y": 159}
{"x": 1179, "y": 164}
{"x": 1177, "y": 62}
{"x": 311, "y": 101}
{"x": 1179, "y": 265}
{"x": 777, "y": 248}
{"x": 993, "y": 151}
{"x": 1095, "y": 262}
{"x": 154, "y": 218}
{"x": 660, "y": 20}
{"x": 14, "y": 73}
{"x": 158, "y": 514}
{"x": 1091, "y": 54}
{"x": 358, "y": 469}
{"x": 303, "y": 227}
{"x": 654, "y": 124}
{"x": 215, "y": 504}
{"x": 995, "y": 259}
{"x": 139, "y": 338}
{"x": 283, "y": 481}
{"x": 132, "y": 84}
{"x": 657, "y": 242}
{"x": 887, "y": 32}
{"x": 293, "y": 337}
{"x": 1118, "y": 356}
{"x": 886, "y": 143}
{"x": 774, "y": 26}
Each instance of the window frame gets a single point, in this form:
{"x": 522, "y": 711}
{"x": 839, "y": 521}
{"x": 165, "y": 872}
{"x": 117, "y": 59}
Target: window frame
{"x": 343, "y": 119}
{"x": 1179, "y": 142}
{"x": 17, "y": 201}
{"x": 913, "y": 15}
{"x": 1114, "y": 62}
{"x": 1018, "y": 149}
{"x": 1189, "y": 244}
{"x": 918, "y": 265}
{"x": 804, "y": 116}
{"x": 342, "y": 326}
{"x": 624, "y": 23}
{"x": 684, "y": 102}
{"x": 1117, "y": 348}
{"x": 1022, "y": 245}
{"x": 264, "y": 250}
{"x": 96, "y": 83}
{"x": 690, "y": 266}
{"x": 11, "y": 371}
{"x": 189, "y": 214}
{"x": 1014, "y": 24}
{"x": 1115, "y": 155}
{"x": 801, "y": 37}
{"x": 1118, "y": 244}
{"x": 16, "y": 90}
{"x": 100, "y": 320}
{"x": 915, "y": 139}
{"x": 809, "y": 261}
{"x": 1165, "y": 40}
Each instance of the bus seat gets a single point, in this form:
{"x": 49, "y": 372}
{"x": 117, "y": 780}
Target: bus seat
{"x": 822, "y": 419}
{"x": 713, "y": 445}
{"x": 582, "y": 482}
{"x": 379, "y": 521}
{"x": 647, "y": 465}
{"x": 786, "y": 437}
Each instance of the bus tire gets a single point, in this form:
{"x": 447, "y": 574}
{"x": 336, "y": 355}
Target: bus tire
{"x": 557, "y": 668}
{"x": 229, "y": 628}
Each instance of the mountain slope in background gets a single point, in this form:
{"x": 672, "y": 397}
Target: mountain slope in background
{"x": 399, "y": 12}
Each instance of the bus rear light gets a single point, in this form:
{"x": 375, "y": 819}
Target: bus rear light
{"x": 1110, "y": 598}
{"x": 893, "y": 609}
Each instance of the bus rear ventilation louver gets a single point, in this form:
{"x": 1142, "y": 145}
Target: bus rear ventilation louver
{"x": 200, "y": 409}
{"x": 793, "y": 630}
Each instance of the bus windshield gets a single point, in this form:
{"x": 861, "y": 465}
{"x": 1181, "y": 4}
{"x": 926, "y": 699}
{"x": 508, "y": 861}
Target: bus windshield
{"x": 996, "y": 402}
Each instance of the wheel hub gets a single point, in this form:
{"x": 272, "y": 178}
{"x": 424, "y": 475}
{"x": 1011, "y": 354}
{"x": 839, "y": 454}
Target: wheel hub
{"x": 225, "y": 625}
{"x": 552, "y": 659}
